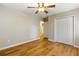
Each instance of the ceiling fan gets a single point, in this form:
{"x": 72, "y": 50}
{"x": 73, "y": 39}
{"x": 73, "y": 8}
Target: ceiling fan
{"x": 42, "y": 7}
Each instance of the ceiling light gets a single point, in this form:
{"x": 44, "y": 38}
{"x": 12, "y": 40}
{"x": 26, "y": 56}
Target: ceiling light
{"x": 41, "y": 9}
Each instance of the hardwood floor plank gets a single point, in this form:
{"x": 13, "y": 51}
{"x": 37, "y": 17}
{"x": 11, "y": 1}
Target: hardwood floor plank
{"x": 43, "y": 48}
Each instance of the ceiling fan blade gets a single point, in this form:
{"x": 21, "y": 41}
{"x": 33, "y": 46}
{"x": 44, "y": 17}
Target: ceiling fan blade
{"x": 46, "y": 11}
{"x": 32, "y": 7}
{"x": 42, "y": 4}
{"x": 38, "y": 4}
{"x": 36, "y": 12}
{"x": 50, "y": 6}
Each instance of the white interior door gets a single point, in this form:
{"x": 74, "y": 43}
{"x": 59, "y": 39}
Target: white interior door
{"x": 64, "y": 30}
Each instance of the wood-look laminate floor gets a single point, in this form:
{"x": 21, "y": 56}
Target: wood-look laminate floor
{"x": 43, "y": 48}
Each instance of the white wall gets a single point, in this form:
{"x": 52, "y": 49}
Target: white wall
{"x": 74, "y": 13}
{"x": 16, "y": 27}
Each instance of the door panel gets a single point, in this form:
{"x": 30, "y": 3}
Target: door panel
{"x": 64, "y": 30}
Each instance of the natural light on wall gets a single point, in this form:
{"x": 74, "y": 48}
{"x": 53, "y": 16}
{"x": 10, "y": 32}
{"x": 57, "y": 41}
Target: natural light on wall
{"x": 42, "y": 31}
{"x": 41, "y": 26}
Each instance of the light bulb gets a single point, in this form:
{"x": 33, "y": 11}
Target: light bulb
{"x": 41, "y": 9}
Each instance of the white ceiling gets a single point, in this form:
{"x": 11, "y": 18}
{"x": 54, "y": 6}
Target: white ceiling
{"x": 60, "y": 7}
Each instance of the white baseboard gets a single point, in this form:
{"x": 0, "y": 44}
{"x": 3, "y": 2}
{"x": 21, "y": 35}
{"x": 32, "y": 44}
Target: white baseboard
{"x": 76, "y": 46}
{"x": 51, "y": 40}
{"x": 17, "y": 44}
{"x": 27, "y": 42}
{"x": 55, "y": 41}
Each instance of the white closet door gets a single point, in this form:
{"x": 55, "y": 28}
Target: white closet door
{"x": 64, "y": 30}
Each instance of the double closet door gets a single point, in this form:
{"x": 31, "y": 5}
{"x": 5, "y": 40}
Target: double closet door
{"x": 64, "y": 30}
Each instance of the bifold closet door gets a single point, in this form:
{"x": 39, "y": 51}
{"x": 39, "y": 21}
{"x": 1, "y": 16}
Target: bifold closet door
{"x": 64, "y": 30}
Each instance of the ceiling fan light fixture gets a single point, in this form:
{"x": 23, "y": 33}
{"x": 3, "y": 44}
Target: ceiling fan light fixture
{"x": 41, "y": 9}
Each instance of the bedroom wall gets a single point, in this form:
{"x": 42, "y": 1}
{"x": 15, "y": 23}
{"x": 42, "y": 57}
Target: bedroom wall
{"x": 17, "y": 27}
{"x": 50, "y": 24}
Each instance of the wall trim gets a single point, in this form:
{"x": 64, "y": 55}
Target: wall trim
{"x": 28, "y": 42}
{"x": 10, "y": 46}
{"x": 76, "y": 46}
{"x": 52, "y": 40}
